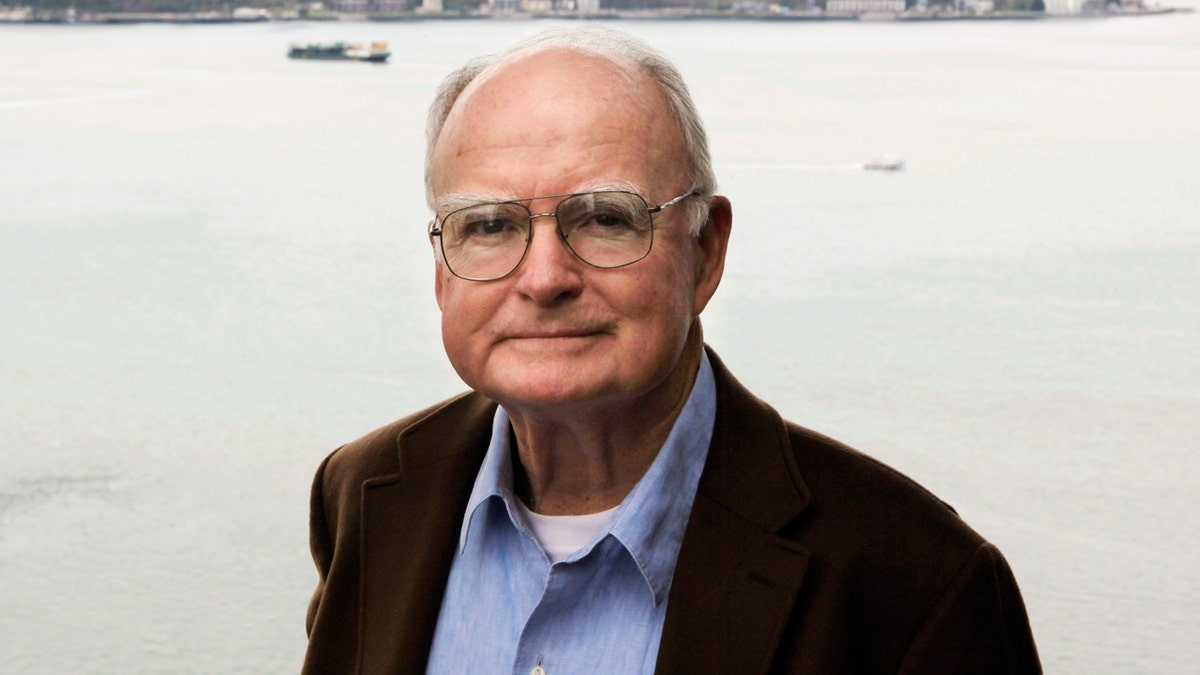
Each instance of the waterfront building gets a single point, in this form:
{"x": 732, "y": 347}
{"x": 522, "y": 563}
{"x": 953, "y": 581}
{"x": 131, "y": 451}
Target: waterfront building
{"x": 979, "y": 6}
{"x": 16, "y": 14}
{"x": 864, "y": 7}
{"x": 1063, "y": 7}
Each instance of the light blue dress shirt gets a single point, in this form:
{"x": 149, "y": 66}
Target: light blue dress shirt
{"x": 601, "y": 610}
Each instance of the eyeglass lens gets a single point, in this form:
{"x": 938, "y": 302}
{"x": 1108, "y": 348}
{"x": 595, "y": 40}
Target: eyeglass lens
{"x": 604, "y": 229}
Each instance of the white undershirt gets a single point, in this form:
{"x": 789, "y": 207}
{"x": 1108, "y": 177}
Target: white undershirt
{"x": 560, "y": 536}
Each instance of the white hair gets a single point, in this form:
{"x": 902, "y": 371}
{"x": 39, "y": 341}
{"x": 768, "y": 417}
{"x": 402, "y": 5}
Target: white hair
{"x": 620, "y": 49}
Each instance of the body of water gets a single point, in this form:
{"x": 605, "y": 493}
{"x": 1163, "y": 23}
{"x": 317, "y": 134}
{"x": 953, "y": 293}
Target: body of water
{"x": 213, "y": 271}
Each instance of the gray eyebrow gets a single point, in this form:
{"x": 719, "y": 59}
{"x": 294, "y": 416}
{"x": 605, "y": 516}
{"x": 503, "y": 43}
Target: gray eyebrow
{"x": 456, "y": 200}
{"x": 614, "y": 185}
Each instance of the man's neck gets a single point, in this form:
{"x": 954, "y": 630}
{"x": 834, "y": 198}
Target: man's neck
{"x": 590, "y": 460}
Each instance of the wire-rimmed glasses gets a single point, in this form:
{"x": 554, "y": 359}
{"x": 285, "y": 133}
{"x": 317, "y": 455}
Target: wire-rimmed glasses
{"x": 606, "y": 229}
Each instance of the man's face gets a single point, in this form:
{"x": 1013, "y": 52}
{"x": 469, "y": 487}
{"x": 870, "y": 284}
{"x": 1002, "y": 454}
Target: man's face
{"x": 556, "y": 331}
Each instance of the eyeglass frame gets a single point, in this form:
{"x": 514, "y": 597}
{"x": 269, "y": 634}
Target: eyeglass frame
{"x": 435, "y": 229}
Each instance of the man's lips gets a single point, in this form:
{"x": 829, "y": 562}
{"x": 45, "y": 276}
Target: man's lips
{"x": 551, "y": 333}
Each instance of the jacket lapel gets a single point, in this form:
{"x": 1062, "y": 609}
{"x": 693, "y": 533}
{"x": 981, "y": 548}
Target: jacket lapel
{"x": 410, "y": 528}
{"x": 736, "y": 579}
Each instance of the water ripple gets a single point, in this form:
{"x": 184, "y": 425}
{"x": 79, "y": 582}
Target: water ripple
{"x": 31, "y": 492}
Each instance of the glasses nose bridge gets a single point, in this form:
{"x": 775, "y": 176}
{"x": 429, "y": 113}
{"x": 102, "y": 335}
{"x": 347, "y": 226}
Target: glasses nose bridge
{"x": 547, "y": 214}
{"x": 559, "y": 199}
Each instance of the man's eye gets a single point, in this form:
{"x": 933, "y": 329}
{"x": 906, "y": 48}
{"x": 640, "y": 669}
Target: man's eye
{"x": 610, "y": 220}
{"x": 611, "y": 224}
{"x": 488, "y": 228}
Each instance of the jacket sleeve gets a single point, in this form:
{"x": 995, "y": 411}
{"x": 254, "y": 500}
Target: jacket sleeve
{"x": 979, "y": 625}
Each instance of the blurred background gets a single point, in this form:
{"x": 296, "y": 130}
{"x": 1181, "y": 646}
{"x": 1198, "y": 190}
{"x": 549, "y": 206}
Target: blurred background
{"x": 213, "y": 271}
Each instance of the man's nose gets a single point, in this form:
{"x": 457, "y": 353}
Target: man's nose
{"x": 550, "y": 272}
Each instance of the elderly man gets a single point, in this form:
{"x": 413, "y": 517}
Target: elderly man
{"x": 608, "y": 499}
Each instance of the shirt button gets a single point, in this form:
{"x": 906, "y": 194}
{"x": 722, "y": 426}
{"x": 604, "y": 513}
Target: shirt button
{"x": 537, "y": 670}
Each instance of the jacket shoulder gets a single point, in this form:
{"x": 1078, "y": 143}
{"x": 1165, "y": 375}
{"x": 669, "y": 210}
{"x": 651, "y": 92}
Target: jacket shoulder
{"x": 895, "y": 569}
{"x": 376, "y": 454}
{"x": 939, "y": 597}
{"x": 871, "y": 572}
{"x": 868, "y": 515}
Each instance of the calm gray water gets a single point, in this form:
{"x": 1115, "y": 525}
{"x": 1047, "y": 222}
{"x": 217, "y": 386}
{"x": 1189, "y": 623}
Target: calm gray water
{"x": 213, "y": 271}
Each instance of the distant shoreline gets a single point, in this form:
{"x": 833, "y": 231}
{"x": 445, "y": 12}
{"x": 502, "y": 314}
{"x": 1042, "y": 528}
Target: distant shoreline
{"x": 26, "y": 16}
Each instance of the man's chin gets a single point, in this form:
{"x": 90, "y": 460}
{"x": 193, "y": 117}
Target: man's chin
{"x": 546, "y": 384}
{"x": 535, "y": 349}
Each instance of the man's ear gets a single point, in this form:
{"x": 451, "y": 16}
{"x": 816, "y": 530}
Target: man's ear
{"x": 437, "y": 283}
{"x": 437, "y": 268}
{"x": 711, "y": 245}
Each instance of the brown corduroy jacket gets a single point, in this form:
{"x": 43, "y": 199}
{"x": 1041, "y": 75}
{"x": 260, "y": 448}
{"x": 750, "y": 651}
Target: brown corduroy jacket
{"x": 801, "y": 555}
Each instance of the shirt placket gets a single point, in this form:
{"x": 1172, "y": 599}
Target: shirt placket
{"x": 536, "y": 649}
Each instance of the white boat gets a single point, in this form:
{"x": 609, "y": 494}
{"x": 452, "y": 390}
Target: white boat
{"x": 884, "y": 163}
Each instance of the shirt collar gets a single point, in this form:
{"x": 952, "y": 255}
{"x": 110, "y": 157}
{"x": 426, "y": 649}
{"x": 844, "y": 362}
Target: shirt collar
{"x": 651, "y": 520}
